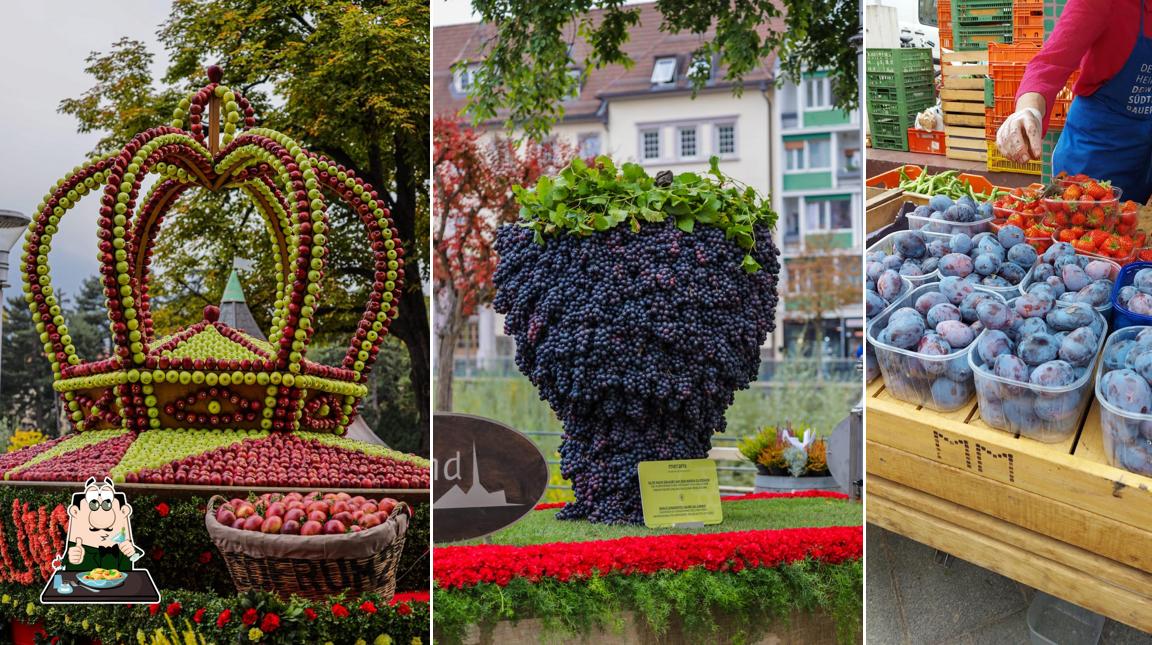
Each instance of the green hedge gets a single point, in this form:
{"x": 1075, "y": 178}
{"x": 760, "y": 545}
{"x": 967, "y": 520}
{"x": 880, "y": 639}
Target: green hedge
{"x": 375, "y": 623}
{"x": 751, "y": 600}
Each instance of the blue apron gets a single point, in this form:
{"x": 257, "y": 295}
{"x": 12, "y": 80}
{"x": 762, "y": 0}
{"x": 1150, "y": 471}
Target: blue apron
{"x": 1109, "y": 134}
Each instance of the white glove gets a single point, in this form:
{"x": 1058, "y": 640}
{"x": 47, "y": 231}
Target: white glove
{"x": 1019, "y": 138}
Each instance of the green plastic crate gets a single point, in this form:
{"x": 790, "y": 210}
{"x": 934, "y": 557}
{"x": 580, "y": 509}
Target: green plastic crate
{"x": 889, "y": 80}
{"x": 891, "y": 143}
{"x": 976, "y": 38}
{"x": 902, "y": 94}
{"x": 880, "y": 107}
{"x": 1048, "y": 147}
{"x": 902, "y": 59}
{"x": 989, "y": 92}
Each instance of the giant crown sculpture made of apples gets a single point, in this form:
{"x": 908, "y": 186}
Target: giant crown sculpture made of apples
{"x": 210, "y": 378}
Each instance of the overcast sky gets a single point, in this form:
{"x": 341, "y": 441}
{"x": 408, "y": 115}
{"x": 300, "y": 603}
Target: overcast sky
{"x": 43, "y": 45}
{"x": 451, "y": 12}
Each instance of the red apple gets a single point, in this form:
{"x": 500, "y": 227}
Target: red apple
{"x": 253, "y": 523}
{"x": 225, "y": 517}
{"x": 291, "y": 527}
{"x": 369, "y": 520}
{"x": 335, "y": 527}
{"x": 356, "y": 528}
{"x": 385, "y": 506}
{"x": 245, "y": 510}
{"x": 317, "y": 506}
{"x": 311, "y": 528}
{"x": 339, "y": 507}
{"x": 294, "y": 514}
{"x": 272, "y": 525}
{"x": 275, "y": 509}
{"x": 369, "y": 507}
{"x": 238, "y": 524}
{"x": 318, "y": 516}
{"x": 344, "y": 517}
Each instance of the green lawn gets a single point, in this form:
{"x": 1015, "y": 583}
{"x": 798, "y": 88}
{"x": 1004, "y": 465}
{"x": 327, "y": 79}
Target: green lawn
{"x": 541, "y": 527}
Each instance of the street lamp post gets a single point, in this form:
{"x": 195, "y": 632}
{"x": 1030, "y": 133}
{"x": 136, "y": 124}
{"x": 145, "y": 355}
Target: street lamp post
{"x": 12, "y": 225}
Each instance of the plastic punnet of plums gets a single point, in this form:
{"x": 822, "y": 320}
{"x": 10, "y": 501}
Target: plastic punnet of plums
{"x": 1124, "y": 388}
{"x": 638, "y": 333}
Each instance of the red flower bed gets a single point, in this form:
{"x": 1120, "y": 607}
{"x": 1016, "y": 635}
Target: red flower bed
{"x": 465, "y": 566}
{"x": 738, "y": 498}
{"x": 829, "y": 494}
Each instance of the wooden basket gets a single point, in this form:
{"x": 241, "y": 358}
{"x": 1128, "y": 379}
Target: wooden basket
{"x": 313, "y": 566}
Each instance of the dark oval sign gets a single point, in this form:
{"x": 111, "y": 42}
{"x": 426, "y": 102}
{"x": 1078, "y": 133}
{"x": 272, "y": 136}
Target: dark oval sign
{"x": 485, "y": 476}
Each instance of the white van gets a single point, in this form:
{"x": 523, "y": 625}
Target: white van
{"x": 916, "y": 22}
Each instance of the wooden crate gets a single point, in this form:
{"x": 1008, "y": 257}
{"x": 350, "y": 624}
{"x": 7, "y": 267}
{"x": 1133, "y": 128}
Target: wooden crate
{"x": 1052, "y": 516}
{"x": 962, "y": 101}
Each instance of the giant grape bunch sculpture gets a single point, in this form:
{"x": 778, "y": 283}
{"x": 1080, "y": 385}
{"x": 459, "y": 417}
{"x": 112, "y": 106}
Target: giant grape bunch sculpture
{"x": 638, "y": 337}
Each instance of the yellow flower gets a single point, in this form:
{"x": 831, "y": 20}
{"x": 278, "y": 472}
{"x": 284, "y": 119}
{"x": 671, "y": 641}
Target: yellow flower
{"x": 6, "y": 599}
{"x": 255, "y": 634}
{"x": 416, "y": 641}
{"x": 31, "y": 609}
{"x": 84, "y": 623}
{"x": 361, "y": 641}
{"x": 382, "y": 639}
{"x": 140, "y": 637}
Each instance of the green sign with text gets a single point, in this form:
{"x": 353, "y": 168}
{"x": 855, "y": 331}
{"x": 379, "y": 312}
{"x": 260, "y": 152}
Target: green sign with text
{"x": 680, "y": 493}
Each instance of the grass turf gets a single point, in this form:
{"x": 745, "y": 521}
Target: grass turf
{"x": 542, "y": 527}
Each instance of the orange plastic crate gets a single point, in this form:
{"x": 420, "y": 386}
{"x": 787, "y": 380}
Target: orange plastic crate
{"x": 927, "y": 142}
{"x": 944, "y": 23}
{"x": 1006, "y": 65}
{"x": 1027, "y": 22}
{"x": 891, "y": 179}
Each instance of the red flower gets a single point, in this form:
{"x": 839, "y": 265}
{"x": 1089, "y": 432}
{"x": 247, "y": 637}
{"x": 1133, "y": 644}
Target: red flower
{"x": 205, "y": 557}
{"x": 310, "y": 614}
{"x": 250, "y": 617}
{"x": 340, "y": 611}
{"x": 270, "y": 623}
{"x": 162, "y": 509}
{"x": 173, "y": 609}
{"x": 153, "y": 609}
{"x": 466, "y": 566}
{"x": 198, "y": 617}
{"x": 157, "y": 553}
{"x": 403, "y": 609}
{"x": 224, "y": 617}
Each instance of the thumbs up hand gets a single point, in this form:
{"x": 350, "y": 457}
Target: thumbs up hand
{"x": 76, "y": 553}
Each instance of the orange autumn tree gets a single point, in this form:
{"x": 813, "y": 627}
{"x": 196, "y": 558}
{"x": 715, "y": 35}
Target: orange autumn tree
{"x": 472, "y": 182}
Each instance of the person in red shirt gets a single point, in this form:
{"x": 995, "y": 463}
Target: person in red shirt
{"x": 1108, "y": 134}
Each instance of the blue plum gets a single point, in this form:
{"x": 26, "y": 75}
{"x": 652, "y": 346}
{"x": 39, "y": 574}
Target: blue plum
{"x": 1054, "y": 373}
{"x": 1079, "y": 346}
{"x": 955, "y": 289}
{"x": 1066, "y": 316}
{"x": 956, "y": 333}
{"x": 925, "y": 301}
{"x": 1127, "y": 390}
{"x": 1038, "y": 349}
{"x": 942, "y": 312}
{"x": 1010, "y": 236}
{"x": 992, "y": 344}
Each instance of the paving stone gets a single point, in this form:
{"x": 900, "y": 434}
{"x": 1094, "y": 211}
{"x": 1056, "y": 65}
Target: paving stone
{"x": 885, "y": 625}
{"x": 943, "y": 603}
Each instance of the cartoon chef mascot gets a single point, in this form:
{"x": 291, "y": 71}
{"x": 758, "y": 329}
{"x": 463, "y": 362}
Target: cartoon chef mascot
{"x": 99, "y": 533}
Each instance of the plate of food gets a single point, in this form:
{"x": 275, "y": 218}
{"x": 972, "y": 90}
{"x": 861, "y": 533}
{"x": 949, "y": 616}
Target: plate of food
{"x": 102, "y": 578}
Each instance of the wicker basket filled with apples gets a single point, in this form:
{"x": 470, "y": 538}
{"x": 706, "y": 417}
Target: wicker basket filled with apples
{"x": 312, "y": 545}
